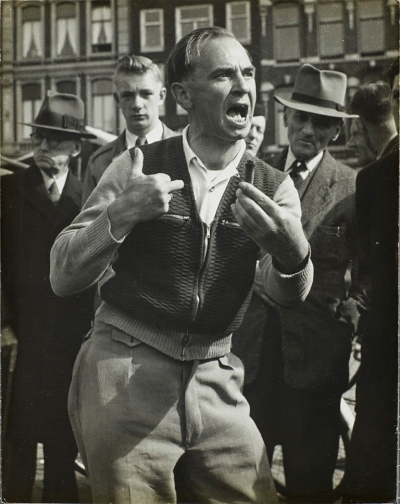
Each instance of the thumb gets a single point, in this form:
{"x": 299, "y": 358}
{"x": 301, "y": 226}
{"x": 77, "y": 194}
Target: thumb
{"x": 137, "y": 166}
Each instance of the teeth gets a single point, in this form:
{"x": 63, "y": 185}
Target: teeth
{"x": 238, "y": 118}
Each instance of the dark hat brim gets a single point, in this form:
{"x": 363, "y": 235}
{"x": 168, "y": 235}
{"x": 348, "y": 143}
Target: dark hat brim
{"x": 314, "y": 109}
{"x": 79, "y": 133}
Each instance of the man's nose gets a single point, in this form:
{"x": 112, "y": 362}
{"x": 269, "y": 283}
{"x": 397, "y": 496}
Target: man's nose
{"x": 137, "y": 102}
{"x": 251, "y": 134}
{"x": 44, "y": 144}
{"x": 241, "y": 84}
{"x": 351, "y": 144}
{"x": 308, "y": 127}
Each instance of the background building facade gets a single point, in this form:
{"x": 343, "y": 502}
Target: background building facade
{"x": 72, "y": 46}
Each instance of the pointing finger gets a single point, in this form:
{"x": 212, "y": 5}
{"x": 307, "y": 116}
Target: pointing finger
{"x": 174, "y": 185}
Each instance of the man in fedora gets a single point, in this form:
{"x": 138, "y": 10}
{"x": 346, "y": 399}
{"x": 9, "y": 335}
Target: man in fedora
{"x": 139, "y": 91}
{"x": 36, "y": 205}
{"x": 311, "y": 342}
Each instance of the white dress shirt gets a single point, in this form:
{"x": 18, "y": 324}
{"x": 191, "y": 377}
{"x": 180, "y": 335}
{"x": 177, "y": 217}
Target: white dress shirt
{"x": 311, "y": 164}
{"x": 60, "y": 181}
{"x": 152, "y": 136}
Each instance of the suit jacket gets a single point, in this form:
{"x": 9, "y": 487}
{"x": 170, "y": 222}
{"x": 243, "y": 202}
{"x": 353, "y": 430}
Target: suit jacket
{"x": 316, "y": 340}
{"x": 49, "y": 329}
{"x": 102, "y": 158}
{"x": 377, "y": 206}
{"x": 392, "y": 146}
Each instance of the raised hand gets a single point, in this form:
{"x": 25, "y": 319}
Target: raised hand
{"x": 276, "y": 229}
{"x": 145, "y": 197}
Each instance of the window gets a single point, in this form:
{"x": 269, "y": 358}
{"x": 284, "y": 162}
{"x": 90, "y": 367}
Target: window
{"x": 281, "y": 137}
{"x": 66, "y": 87}
{"x": 371, "y": 33}
{"x": 286, "y": 19}
{"x": 67, "y": 30}
{"x": 32, "y": 32}
{"x": 331, "y": 32}
{"x": 103, "y": 106}
{"x": 31, "y": 102}
{"x": 188, "y": 19}
{"x": 238, "y": 20}
{"x": 151, "y": 30}
{"x": 101, "y": 29}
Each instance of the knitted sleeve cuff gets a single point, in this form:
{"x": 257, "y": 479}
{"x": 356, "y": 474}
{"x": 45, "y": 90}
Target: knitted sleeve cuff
{"x": 284, "y": 289}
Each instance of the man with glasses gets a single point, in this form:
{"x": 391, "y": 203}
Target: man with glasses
{"x": 139, "y": 91}
{"x": 36, "y": 205}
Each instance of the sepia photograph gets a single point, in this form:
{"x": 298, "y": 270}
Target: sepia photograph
{"x": 199, "y": 251}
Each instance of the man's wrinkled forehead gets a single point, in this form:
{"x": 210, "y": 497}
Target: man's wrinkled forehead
{"x": 236, "y": 49}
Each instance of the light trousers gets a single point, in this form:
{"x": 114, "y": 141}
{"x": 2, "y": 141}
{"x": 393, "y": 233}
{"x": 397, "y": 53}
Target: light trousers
{"x": 136, "y": 411}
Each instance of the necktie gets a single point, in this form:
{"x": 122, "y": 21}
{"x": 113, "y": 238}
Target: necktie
{"x": 140, "y": 141}
{"x": 54, "y": 194}
{"x": 295, "y": 170}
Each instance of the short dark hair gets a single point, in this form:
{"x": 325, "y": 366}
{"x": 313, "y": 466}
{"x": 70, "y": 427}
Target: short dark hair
{"x": 180, "y": 60}
{"x": 372, "y": 102}
{"x": 393, "y": 72}
{"x": 131, "y": 64}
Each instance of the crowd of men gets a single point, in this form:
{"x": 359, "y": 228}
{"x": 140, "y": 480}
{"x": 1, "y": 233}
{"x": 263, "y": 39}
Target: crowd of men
{"x": 177, "y": 318}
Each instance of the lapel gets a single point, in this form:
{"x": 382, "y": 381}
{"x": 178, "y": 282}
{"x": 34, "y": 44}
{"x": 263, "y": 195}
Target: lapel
{"x": 319, "y": 191}
{"x": 35, "y": 193}
{"x": 119, "y": 146}
{"x": 279, "y": 160}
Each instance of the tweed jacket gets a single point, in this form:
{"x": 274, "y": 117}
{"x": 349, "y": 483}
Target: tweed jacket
{"x": 49, "y": 329}
{"x": 316, "y": 335}
{"x": 102, "y": 158}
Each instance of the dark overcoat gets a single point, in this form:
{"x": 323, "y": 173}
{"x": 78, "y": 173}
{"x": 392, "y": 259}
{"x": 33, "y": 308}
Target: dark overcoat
{"x": 49, "y": 329}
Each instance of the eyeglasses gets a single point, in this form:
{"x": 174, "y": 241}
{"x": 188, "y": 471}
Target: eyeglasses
{"x": 52, "y": 140}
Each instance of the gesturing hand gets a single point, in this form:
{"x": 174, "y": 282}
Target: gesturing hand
{"x": 276, "y": 229}
{"x": 145, "y": 197}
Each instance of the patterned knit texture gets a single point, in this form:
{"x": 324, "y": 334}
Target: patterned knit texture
{"x": 160, "y": 273}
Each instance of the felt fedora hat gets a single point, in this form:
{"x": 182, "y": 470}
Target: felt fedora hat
{"x": 318, "y": 92}
{"x": 62, "y": 112}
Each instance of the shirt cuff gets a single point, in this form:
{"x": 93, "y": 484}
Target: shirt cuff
{"x": 110, "y": 232}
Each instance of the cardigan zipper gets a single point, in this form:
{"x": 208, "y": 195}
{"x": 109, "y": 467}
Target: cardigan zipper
{"x": 207, "y": 238}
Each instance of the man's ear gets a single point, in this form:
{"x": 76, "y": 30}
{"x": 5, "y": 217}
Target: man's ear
{"x": 78, "y": 148}
{"x": 336, "y": 132}
{"x": 285, "y": 117}
{"x": 116, "y": 98}
{"x": 182, "y": 95}
{"x": 163, "y": 94}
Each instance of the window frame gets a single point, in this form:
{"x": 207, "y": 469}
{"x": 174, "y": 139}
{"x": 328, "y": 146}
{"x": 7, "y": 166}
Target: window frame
{"x": 54, "y": 29}
{"x": 91, "y": 95}
{"x": 281, "y": 6}
{"x": 320, "y": 24}
{"x": 178, "y": 18}
{"x": 143, "y": 45}
{"x": 89, "y": 50}
{"x": 20, "y": 106}
{"x": 229, "y": 17}
{"x": 360, "y": 21}
{"x": 20, "y": 6}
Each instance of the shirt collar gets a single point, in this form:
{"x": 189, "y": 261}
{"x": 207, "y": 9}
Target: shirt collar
{"x": 229, "y": 170}
{"x": 60, "y": 181}
{"x": 152, "y": 136}
{"x": 310, "y": 164}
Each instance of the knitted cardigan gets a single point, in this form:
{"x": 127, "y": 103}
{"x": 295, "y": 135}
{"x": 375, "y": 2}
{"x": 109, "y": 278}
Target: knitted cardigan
{"x": 162, "y": 274}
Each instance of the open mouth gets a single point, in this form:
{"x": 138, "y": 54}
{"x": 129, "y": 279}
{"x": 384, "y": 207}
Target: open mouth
{"x": 238, "y": 113}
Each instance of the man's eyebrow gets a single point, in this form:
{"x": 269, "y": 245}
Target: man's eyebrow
{"x": 230, "y": 69}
